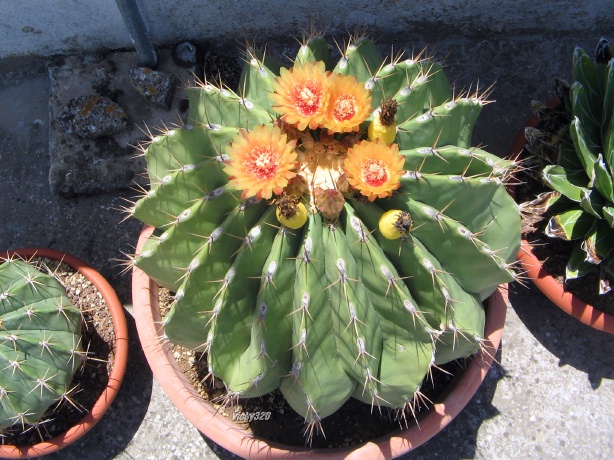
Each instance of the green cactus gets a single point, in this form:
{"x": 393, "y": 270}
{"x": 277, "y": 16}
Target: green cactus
{"x": 331, "y": 309}
{"x": 577, "y": 139}
{"x": 40, "y": 346}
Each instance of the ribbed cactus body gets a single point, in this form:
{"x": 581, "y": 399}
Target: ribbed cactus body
{"x": 40, "y": 346}
{"x": 332, "y": 309}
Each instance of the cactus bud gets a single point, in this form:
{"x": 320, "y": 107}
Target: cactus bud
{"x": 329, "y": 202}
{"x": 383, "y": 126}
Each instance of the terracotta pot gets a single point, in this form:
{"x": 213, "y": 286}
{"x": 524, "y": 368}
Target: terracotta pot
{"x": 551, "y": 287}
{"x": 119, "y": 364}
{"x": 228, "y": 435}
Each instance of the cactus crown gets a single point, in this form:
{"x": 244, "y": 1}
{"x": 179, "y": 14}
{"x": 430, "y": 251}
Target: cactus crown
{"x": 331, "y": 308}
{"x": 40, "y": 346}
{"x": 575, "y": 142}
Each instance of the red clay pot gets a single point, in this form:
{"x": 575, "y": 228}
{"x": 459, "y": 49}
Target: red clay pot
{"x": 119, "y": 364}
{"x": 551, "y": 287}
{"x": 240, "y": 442}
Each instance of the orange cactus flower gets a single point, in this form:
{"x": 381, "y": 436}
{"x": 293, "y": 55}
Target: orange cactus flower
{"x": 374, "y": 168}
{"x": 301, "y": 95}
{"x": 261, "y": 161}
{"x": 348, "y": 106}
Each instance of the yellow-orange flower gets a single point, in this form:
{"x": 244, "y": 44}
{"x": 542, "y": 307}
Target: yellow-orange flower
{"x": 374, "y": 168}
{"x": 261, "y": 161}
{"x": 348, "y": 106}
{"x": 301, "y": 95}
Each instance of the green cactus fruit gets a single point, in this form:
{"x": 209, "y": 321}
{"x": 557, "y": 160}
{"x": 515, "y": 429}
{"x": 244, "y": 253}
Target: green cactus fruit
{"x": 40, "y": 346}
{"x": 577, "y": 140}
{"x": 331, "y": 309}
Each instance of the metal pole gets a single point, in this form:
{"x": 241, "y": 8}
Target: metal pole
{"x": 138, "y": 32}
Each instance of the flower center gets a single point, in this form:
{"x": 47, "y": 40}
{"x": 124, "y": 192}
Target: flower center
{"x": 374, "y": 172}
{"x": 307, "y": 96}
{"x": 345, "y": 107}
{"x": 263, "y": 162}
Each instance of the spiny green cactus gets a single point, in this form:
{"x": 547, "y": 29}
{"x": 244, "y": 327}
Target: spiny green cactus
{"x": 40, "y": 347}
{"x": 328, "y": 309}
{"x": 578, "y": 138}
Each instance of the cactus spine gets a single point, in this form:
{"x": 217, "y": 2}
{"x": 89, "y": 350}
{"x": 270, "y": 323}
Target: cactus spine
{"x": 330, "y": 309}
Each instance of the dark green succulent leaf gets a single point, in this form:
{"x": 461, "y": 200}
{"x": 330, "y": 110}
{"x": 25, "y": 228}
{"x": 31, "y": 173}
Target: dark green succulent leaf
{"x": 608, "y": 109}
{"x": 603, "y": 240}
{"x": 603, "y": 53}
{"x": 315, "y": 49}
{"x": 588, "y": 116}
{"x": 603, "y": 179}
{"x": 568, "y": 157}
{"x": 608, "y": 140}
{"x": 592, "y": 202}
{"x": 589, "y": 246}
{"x": 566, "y": 182}
{"x": 585, "y": 151}
{"x": 563, "y": 92}
{"x": 542, "y": 144}
{"x": 558, "y": 204}
{"x": 570, "y": 225}
{"x": 579, "y": 263}
{"x": 607, "y": 270}
{"x": 591, "y": 111}
{"x": 585, "y": 73}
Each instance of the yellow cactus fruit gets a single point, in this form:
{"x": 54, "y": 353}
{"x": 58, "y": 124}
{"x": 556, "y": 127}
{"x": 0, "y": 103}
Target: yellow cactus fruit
{"x": 291, "y": 214}
{"x": 394, "y": 224}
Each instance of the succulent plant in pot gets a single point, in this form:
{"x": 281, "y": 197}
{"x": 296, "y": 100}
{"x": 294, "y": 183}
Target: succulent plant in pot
{"x": 328, "y": 229}
{"x": 574, "y": 144}
{"x": 46, "y": 342}
{"x": 41, "y": 347}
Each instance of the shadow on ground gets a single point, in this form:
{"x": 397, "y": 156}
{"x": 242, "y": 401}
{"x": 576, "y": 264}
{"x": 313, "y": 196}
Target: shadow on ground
{"x": 572, "y": 342}
{"x": 109, "y": 438}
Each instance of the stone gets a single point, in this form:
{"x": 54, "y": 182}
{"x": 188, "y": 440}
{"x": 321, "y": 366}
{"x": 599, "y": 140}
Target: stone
{"x": 93, "y": 116}
{"x": 186, "y": 54}
{"x": 85, "y": 166}
{"x": 155, "y": 86}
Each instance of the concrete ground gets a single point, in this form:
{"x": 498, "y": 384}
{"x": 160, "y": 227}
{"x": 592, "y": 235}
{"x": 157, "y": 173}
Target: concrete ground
{"x": 552, "y": 393}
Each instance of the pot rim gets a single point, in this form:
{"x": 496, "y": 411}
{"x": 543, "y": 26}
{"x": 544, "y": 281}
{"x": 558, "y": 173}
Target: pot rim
{"x": 119, "y": 364}
{"x": 563, "y": 299}
{"x": 545, "y": 282}
{"x": 239, "y": 441}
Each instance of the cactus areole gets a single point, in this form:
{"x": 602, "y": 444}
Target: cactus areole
{"x": 324, "y": 306}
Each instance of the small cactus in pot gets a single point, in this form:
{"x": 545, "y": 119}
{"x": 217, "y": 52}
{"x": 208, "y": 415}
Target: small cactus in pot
{"x": 311, "y": 252}
{"x": 40, "y": 345}
{"x": 575, "y": 143}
